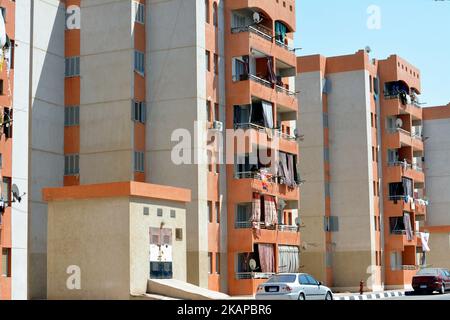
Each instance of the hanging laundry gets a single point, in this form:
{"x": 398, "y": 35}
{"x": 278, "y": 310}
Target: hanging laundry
{"x": 425, "y": 236}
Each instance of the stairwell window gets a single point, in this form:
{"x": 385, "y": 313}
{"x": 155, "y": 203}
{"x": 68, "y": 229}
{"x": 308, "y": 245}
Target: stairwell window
{"x": 208, "y": 60}
{"x": 139, "y": 111}
{"x": 139, "y": 161}
{"x": 210, "y": 263}
{"x": 71, "y": 116}
{"x": 6, "y": 262}
{"x": 72, "y": 67}
{"x": 140, "y": 12}
{"x": 71, "y": 164}
{"x": 215, "y": 15}
{"x": 139, "y": 62}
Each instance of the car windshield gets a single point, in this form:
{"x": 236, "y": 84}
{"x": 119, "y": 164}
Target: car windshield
{"x": 284, "y": 278}
{"x": 428, "y": 272}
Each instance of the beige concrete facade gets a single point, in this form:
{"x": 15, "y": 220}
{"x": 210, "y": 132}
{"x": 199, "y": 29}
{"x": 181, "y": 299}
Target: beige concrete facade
{"x": 108, "y": 239}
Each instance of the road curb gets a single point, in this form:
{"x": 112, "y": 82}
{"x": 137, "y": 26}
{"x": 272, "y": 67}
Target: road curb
{"x": 372, "y": 296}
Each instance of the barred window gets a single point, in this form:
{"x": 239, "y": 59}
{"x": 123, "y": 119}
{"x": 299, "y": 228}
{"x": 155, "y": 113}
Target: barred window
{"x": 139, "y": 111}
{"x": 72, "y": 116}
{"x": 71, "y": 164}
{"x": 72, "y": 66}
{"x": 139, "y": 161}
{"x": 139, "y": 64}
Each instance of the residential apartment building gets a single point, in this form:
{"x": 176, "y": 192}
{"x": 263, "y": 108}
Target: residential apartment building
{"x": 263, "y": 197}
{"x": 106, "y": 90}
{"x": 363, "y": 200}
{"x": 436, "y": 129}
{"x": 9, "y": 244}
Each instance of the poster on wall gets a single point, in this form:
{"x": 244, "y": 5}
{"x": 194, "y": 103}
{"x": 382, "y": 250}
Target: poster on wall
{"x": 161, "y": 257}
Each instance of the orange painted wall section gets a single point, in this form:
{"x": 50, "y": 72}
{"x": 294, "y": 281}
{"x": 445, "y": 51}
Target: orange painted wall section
{"x": 118, "y": 189}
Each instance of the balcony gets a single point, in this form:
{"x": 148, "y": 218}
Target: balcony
{"x": 262, "y": 225}
{"x": 398, "y": 138}
{"x": 261, "y": 31}
{"x": 398, "y": 169}
{"x": 250, "y": 182}
{"x": 393, "y": 107}
{"x": 253, "y": 275}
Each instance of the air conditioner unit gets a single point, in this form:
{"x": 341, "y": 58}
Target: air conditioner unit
{"x": 218, "y": 126}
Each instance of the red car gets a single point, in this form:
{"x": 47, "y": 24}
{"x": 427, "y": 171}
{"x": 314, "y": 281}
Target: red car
{"x": 432, "y": 279}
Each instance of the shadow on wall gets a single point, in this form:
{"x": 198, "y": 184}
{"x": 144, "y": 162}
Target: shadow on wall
{"x": 47, "y": 131}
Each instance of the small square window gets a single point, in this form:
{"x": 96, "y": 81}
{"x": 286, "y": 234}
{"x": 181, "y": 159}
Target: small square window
{"x": 159, "y": 212}
{"x": 179, "y": 234}
{"x": 173, "y": 214}
{"x": 146, "y": 211}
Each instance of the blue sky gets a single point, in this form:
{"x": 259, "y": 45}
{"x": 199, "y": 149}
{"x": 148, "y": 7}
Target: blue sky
{"x": 417, "y": 30}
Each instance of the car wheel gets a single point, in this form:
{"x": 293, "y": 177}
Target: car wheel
{"x": 301, "y": 297}
{"x": 328, "y": 296}
{"x": 442, "y": 291}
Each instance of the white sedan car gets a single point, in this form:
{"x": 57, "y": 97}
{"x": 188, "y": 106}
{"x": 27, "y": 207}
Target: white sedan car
{"x": 293, "y": 286}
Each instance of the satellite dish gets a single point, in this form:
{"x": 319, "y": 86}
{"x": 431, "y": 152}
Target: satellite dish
{"x": 399, "y": 123}
{"x": 257, "y": 18}
{"x": 368, "y": 49}
{"x": 281, "y": 204}
{"x": 16, "y": 193}
{"x": 252, "y": 264}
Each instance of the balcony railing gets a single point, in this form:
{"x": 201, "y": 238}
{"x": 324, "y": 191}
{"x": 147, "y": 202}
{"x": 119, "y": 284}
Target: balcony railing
{"x": 391, "y": 96}
{"x": 264, "y": 33}
{"x": 285, "y": 91}
{"x": 253, "y": 275}
{"x": 405, "y": 165}
{"x": 278, "y": 132}
{"x": 405, "y": 132}
{"x": 259, "y": 80}
{"x": 283, "y": 45}
{"x": 410, "y": 267}
{"x": 259, "y": 30}
{"x": 262, "y": 225}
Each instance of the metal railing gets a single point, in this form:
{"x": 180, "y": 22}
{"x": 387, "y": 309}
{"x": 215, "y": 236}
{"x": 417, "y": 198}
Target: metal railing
{"x": 259, "y": 30}
{"x": 278, "y": 132}
{"x": 260, "y": 80}
{"x": 406, "y": 165}
{"x": 285, "y": 91}
{"x": 283, "y": 45}
{"x": 392, "y": 96}
{"x": 288, "y": 228}
{"x": 253, "y": 275}
{"x": 243, "y": 224}
{"x": 410, "y": 267}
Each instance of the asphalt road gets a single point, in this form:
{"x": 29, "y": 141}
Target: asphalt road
{"x": 412, "y": 296}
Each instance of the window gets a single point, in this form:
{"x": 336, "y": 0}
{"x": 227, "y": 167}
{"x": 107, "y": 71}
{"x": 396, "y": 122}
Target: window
{"x": 393, "y": 156}
{"x": 7, "y": 122}
{"x": 331, "y": 224}
{"x": 302, "y": 279}
{"x": 1, "y": 161}
{"x": 218, "y": 263}
{"x": 216, "y": 64}
{"x": 71, "y": 164}
{"x": 327, "y": 189}
{"x": 243, "y": 215}
{"x": 139, "y": 63}
{"x": 216, "y": 112}
{"x": 139, "y": 111}
{"x": 326, "y": 154}
{"x": 210, "y": 211}
{"x": 6, "y": 189}
{"x": 179, "y": 234}
{"x": 159, "y": 212}
{"x": 4, "y": 13}
{"x": 311, "y": 280}
{"x": 71, "y": 116}
{"x": 209, "y": 115}
{"x": 215, "y": 15}
{"x": 6, "y": 262}
{"x": 207, "y": 18}
{"x": 173, "y": 213}
{"x": 210, "y": 262}
{"x": 396, "y": 260}
{"x": 208, "y": 62}
{"x": 325, "y": 120}
{"x": 370, "y": 84}
{"x": 72, "y": 66}
{"x": 139, "y": 165}
{"x": 1, "y": 88}
{"x": 217, "y": 212}
{"x": 140, "y": 12}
